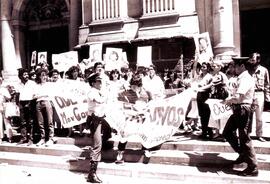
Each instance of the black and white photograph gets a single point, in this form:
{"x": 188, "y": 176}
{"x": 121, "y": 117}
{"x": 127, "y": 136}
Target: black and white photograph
{"x": 134, "y": 91}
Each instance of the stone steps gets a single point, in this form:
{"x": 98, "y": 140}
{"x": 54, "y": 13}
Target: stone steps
{"x": 127, "y": 172}
{"x": 168, "y": 157}
{"x": 170, "y": 161}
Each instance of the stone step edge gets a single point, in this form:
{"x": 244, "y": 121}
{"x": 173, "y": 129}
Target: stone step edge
{"x": 157, "y": 153}
{"x": 163, "y": 157}
{"x": 193, "y": 145}
{"x": 172, "y": 173}
{"x": 62, "y": 150}
{"x": 175, "y": 140}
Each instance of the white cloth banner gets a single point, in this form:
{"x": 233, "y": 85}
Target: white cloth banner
{"x": 218, "y": 109}
{"x": 157, "y": 123}
{"x": 154, "y": 124}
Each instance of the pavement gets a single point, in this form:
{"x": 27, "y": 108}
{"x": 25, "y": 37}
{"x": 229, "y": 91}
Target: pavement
{"x": 10, "y": 174}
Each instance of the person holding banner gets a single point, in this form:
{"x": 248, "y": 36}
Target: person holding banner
{"x": 135, "y": 99}
{"x": 116, "y": 85}
{"x": 153, "y": 84}
{"x": 44, "y": 110}
{"x": 203, "y": 92}
{"x": 241, "y": 104}
{"x": 219, "y": 90}
{"x": 96, "y": 100}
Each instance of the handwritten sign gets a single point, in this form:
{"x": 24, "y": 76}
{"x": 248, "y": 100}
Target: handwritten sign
{"x": 219, "y": 110}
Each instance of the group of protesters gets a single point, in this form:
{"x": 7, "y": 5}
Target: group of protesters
{"x": 209, "y": 80}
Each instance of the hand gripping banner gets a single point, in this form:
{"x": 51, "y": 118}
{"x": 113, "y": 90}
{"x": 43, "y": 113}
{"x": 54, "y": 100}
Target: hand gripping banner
{"x": 153, "y": 123}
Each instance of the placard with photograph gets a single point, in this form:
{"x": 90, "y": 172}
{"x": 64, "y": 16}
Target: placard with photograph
{"x": 203, "y": 47}
{"x": 42, "y": 57}
{"x": 113, "y": 59}
{"x": 63, "y": 61}
{"x": 34, "y": 59}
{"x": 95, "y": 52}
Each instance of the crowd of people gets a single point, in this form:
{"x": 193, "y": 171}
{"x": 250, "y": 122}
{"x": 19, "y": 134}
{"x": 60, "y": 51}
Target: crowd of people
{"x": 210, "y": 80}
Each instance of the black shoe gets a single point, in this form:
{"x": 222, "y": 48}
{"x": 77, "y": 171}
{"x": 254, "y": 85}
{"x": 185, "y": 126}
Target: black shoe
{"x": 219, "y": 138}
{"x": 203, "y": 137}
{"x": 22, "y": 141}
{"x": 239, "y": 160}
{"x": 93, "y": 178}
{"x": 250, "y": 171}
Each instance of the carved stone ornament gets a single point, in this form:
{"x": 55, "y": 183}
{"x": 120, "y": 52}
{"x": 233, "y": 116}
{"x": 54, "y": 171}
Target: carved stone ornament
{"x": 45, "y": 10}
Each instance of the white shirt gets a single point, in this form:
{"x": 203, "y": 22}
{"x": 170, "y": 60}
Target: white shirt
{"x": 95, "y": 102}
{"x": 155, "y": 86}
{"x": 43, "y": 91}
{"x": 246, "y": 87}
{"x": 26, "y": 90}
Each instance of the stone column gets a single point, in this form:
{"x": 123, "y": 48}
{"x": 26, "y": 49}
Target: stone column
{"x": 223, "y": 29}
{"x": 75, "y": 22}
{"x": 10, "y": 61}
{"x": 19, "y": 39}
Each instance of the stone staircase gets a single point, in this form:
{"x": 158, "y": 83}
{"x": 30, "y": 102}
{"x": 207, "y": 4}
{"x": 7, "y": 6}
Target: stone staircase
{"x": 184, "y": 158}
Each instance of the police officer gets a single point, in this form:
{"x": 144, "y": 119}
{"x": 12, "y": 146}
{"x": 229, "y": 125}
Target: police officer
{"x": 96, "y": 99}
{"x": 241, "y": 103}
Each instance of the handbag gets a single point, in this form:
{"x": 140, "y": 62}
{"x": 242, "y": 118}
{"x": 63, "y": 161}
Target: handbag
{"x": 11, "y": 109}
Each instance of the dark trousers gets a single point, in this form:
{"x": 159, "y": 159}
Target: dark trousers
{"x": 204, "y": 112}
{"x": 240, "y": 120}
{"x": 27, "y": 116}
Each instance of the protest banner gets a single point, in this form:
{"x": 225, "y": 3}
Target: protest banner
{"x": 69, "y": 101}
{"x": 218, "y": 109}
{"x": 63, "y": 61}
{"x": 156, "y": 122}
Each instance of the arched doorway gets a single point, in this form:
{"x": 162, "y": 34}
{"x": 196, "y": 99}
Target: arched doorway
{"x": 46, "y": 27}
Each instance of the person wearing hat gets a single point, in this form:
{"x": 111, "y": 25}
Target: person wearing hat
{"x": 262, "y": 90}
{"x": 218, "y": 90}
{"x": 241, "y": 103}
{"x": 96, "y": 100}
